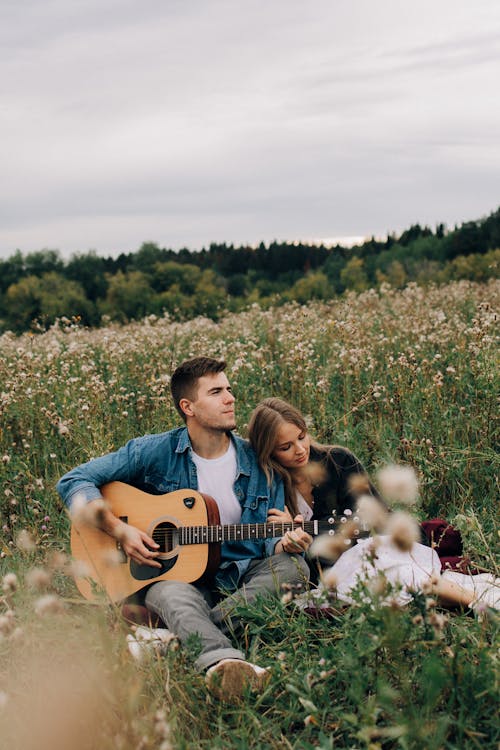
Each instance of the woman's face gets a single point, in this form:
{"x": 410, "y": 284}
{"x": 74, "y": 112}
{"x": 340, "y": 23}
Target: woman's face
{"x": 292, "y": 446}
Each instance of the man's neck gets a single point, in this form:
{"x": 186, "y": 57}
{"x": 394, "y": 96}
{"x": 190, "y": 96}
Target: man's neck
{"x": 208, "y": 443}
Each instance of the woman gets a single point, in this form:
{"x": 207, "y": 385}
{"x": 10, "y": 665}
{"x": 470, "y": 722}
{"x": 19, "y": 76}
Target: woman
{"x": 326, "y": 482}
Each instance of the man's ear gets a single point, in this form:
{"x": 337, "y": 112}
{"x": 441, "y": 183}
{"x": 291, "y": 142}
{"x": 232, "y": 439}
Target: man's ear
{"x": 185, "y": 407}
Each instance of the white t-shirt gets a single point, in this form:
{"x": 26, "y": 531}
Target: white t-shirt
{"x": 216, "y": 477}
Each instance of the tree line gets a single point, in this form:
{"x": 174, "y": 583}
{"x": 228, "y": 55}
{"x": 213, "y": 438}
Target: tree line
{"x": 39, "y": 287}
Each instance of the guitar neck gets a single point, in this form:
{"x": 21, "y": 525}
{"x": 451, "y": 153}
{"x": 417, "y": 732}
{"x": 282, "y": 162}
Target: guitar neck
{"x": 236, "y": 532}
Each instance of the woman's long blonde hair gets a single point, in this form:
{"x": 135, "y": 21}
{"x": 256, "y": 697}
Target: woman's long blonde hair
{"x": 263, "y": 427}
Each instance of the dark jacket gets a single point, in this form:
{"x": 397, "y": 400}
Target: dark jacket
{"x": 333, "y": 469}
{"x": 332, "y": 494}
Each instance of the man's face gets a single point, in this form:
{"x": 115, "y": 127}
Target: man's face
{"x": 213, "y": 405}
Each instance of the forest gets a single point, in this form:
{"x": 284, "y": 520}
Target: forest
{"x": 40, "y": 287}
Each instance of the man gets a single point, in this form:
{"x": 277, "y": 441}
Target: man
{"x": 204, "y": 455}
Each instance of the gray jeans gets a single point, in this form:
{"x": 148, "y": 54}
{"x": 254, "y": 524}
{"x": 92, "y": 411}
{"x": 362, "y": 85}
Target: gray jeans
{"x": 187, "y": 609}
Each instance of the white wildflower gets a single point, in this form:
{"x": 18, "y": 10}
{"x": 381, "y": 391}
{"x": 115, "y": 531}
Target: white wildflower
{"x": 25, "y": 541}
{"x": 328, "y": 546}
{"x": 403, "y": 530}
{"x": 38, "y": 579}
{"x": 63, "y": 428}
{"x": 329, "y": 580}
{"x": 79, "y": 569}
{"x": 398, "y": 484}
{"x": 10, "y": 583}
{"x": 371, "y": 512}
{"x": 50, "y": 604}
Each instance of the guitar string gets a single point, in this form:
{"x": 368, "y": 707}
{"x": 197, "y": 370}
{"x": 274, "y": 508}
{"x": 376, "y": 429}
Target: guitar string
{"x": 207, "y": 534}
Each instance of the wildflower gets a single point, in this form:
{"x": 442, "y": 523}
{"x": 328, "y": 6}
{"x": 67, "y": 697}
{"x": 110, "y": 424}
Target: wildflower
{"x": 58, "y": 560}
{"x": 6, "y": 622}
{"x": 17, "y": 635}
{"x": 9, "y": 583}
{"x": 78, "y": 505}
{"x": 91, "y": 513}
{"x": 431, "y": 585}
{"x": 329, "y": 580}
{"x": 38, "y": 579}
{"x": 394, "y": 603}
{"x": 316, "y": 472}
{"x": 50, "y": 604}
{"x": 5, "y": 458}
{"x": 398, "y": 484}
{"x": 359, "y": 484}
{"x": 62, "y": 428}
{"x": 438, "y": 379}
{"x": 350, "y": 528}
{"x": 371, "y": 513}
{"x": 403, "y": 530}
{"x": 378, "y": 585}
{"x": 162, "y": 729}
{"x": 329, "y": 546}
{"x": 79, "y": 569}
{"x": 437, "y": 621}
{"x": 483, "y": 611}
{"x": 25, "y": 541}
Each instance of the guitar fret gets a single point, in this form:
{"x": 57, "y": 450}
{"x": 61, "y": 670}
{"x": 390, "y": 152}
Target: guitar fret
{"x": 237, "y": 532}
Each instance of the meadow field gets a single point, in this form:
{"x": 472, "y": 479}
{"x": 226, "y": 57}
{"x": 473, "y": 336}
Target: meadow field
{"x": 405, "y": 376}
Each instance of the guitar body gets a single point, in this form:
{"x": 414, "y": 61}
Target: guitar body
{"x": 106, "y": 565}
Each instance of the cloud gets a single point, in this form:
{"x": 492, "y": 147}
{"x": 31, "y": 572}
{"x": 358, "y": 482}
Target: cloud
{"x": 192, "y": 122}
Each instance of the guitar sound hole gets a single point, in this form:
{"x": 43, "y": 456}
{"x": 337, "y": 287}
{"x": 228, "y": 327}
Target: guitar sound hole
{"x": 166, "y": 535}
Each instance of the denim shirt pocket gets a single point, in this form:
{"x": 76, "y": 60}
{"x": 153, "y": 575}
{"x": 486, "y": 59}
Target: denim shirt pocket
{"x": 254, "y": 509}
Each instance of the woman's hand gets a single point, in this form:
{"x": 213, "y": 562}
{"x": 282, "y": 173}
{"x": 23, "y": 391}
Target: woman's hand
{"x": 293, "y": 542}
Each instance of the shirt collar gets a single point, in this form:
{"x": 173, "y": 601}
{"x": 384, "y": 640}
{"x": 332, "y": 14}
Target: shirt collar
{"x": 243, "y": 462}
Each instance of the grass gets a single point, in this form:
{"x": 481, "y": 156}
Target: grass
{"x": 396, "y": 376}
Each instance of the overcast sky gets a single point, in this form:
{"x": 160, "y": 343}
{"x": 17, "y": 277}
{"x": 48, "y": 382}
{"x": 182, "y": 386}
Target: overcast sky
{"x": 186, "y": 122}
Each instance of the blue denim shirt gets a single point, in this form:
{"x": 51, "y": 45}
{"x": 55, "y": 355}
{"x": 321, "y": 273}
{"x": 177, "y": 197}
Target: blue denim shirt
{"x": 162, "y": 463}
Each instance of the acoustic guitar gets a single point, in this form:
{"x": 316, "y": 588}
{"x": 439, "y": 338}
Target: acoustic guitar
{"x": 186, "y": 526}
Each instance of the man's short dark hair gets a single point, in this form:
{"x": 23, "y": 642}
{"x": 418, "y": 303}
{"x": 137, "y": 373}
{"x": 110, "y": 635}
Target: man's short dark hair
{"x": 184, "y": 382}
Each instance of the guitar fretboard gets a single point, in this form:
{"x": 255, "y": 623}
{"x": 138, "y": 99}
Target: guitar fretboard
{"x": 168, "y": 537}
